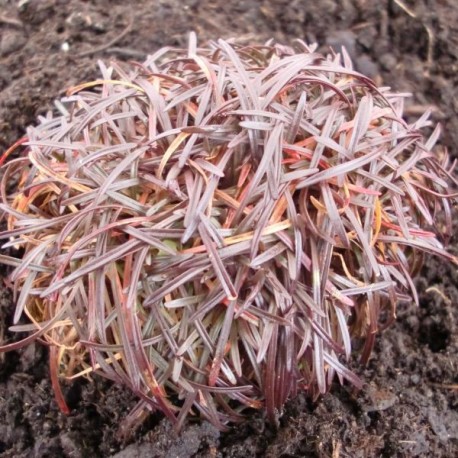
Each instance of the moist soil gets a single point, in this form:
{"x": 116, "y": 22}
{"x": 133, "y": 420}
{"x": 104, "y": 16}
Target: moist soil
{"x": 409, "y": 406}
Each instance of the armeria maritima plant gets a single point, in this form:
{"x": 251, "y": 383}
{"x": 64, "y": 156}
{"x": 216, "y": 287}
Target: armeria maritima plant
{"x": 212, "y": 227}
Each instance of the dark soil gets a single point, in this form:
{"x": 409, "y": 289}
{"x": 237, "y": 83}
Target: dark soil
{"x": 409, "y": 407}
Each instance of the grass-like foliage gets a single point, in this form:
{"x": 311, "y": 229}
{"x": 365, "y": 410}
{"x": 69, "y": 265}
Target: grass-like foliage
{"x": 212, "y": 227}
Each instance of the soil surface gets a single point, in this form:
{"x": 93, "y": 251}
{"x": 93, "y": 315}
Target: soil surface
{"x": 409, "y": 407}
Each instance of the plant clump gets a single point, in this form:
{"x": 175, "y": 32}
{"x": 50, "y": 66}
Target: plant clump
{"x": 213, "y": 226}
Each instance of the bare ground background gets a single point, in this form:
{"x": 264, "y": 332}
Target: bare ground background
{"x": 409, "y": 407}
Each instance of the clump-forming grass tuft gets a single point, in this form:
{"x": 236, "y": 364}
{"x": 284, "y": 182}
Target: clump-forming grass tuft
{"x": 212, "y": 226}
